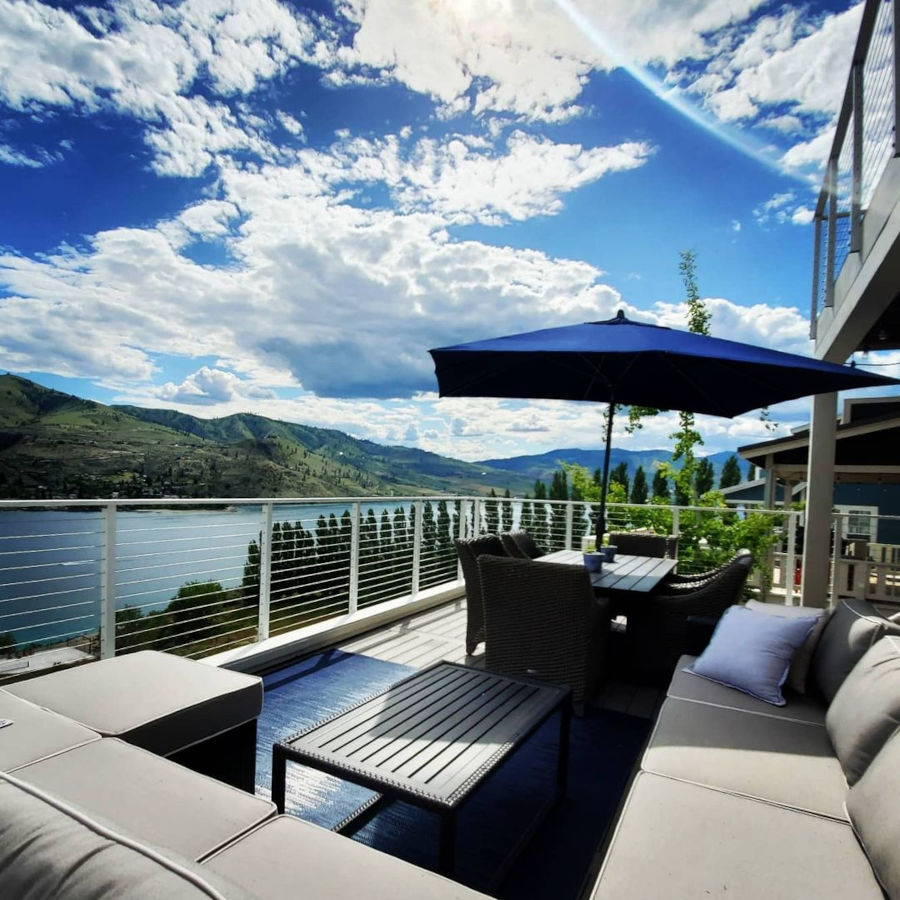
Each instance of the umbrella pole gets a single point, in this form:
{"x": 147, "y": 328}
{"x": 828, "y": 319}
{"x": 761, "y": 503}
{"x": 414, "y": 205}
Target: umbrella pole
{"x": 601, "y": 519}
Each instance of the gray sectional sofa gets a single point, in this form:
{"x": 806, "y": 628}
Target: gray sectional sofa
{"x": 737, "y": 798}
{"x": 93, "y": 803}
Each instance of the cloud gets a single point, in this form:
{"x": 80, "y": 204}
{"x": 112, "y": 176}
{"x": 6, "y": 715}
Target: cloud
{"x": 781, "y": 209}
{"x": 209, "y": 386}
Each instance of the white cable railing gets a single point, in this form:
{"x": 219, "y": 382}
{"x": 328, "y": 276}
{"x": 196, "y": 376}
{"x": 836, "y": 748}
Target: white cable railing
{"x": 110, "y": 577}
{"x": 864, "y": 142}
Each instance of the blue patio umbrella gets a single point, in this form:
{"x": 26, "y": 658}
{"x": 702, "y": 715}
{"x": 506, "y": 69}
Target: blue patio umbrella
{"x": 638, "y": 364}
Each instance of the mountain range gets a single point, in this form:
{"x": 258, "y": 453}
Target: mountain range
{"x": 55, "y": 445}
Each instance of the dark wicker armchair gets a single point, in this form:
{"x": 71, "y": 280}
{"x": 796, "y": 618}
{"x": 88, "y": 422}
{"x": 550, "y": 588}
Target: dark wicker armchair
{"x": 633, "y": 543}
{"x": 521, "y": 545}
{"x": 675, "y": 582}
{"x": 469, "y": 549}
{"x": 658, "y": 627}
{"x": 542, "y": 620}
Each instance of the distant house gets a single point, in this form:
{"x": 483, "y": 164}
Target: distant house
{"x": 866, "y": 473}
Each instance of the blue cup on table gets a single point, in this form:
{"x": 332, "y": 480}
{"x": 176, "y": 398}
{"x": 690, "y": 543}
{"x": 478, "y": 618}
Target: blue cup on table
{"x": 593, "y": 562}
{"x": 608, "y": 553}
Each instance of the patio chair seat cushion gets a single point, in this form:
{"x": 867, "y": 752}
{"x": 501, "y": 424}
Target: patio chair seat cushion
{"x": 865, "y": 711}
{"x": 677, "y": 839}
{"x": 287, "y": 857}
{"x": 50, "y": 849}
{"x": 769, "y": 758}
{"x": 157, "y": 701}
{"x": 685, "y": 686}
{"x": 851, "y": 629}
{"x": 35, "y": 733}
{"x": 151, "y": 799}
{"x": 875, "y": 815}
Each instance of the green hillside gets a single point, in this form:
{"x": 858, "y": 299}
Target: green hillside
{"x": 54, "y": 445}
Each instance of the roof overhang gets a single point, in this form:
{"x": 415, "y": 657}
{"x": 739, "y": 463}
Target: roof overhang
{"x": 864, "y": 452}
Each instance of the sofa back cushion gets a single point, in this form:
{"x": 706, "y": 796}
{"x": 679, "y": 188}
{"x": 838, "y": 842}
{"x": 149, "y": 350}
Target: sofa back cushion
{"x": 865, "y": 711}
{"x": 50, "y": 849}
{"x": 875, "y": 815}
{"x": 852, "y": 628}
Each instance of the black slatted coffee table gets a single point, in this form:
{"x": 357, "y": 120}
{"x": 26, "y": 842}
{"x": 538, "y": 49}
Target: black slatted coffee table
{"x": 430, "y": 740}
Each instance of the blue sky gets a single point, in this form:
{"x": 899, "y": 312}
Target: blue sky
{"x": 223, "y": 206}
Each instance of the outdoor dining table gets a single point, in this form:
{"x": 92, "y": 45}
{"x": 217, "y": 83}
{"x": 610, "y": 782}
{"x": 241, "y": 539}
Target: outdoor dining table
{"x": 625, "y": 575}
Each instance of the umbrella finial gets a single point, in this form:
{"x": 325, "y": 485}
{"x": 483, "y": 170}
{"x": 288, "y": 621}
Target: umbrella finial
{"x": 620, "y": 314}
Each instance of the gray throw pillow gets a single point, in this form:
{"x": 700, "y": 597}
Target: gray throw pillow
{"x": 851, "y": 629}
{"x": 875, "y": 815}
{"x": 799, "y": 669}
{"x": 865, "y": 711}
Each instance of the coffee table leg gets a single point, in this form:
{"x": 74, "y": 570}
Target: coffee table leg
{"x": 279, "y": 764}
{"x": 562, "y": 771}
{"x": 448, "y": 843}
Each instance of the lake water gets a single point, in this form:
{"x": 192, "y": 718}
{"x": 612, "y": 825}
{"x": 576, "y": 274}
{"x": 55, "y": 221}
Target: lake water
{"x": 51, "y": 560}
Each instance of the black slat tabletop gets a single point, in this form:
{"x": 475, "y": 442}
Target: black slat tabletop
{"x": 635, "y": 574}
{"x": 433, "y": 736}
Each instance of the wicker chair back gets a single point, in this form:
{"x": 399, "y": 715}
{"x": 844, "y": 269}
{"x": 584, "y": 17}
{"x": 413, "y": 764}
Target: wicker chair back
{"x": 542, "y": 620}
{"x": 526, "y": 545}
{"x": 469, "y": 549}
{"x": 657, "y": 629}
{"x": 634, "y": 544}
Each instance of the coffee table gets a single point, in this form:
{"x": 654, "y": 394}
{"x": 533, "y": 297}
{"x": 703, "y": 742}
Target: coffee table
{"x": 430, "y": 740}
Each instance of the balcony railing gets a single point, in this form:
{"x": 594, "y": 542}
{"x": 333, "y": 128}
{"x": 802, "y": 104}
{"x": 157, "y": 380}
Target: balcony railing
{"x": 865, "y": 140}
{"x": 100, "y": 578}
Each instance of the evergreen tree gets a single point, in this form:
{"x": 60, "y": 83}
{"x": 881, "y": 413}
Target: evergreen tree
{"x": 540, "y": 490}
{"x": 639, "y": 487}
{"x": 731, "y": 473}
{"x": 705, "y": 477}
{"x": 492, "y": 513}
{"x": 619, "y": 475}
{"x": 660, "y": 487}
{"x": 506, "y": 512}
{"x": 751, "y": 471}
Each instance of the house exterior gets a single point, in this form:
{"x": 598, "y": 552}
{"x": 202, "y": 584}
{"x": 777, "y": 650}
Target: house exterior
{"x": 856, "y": 261}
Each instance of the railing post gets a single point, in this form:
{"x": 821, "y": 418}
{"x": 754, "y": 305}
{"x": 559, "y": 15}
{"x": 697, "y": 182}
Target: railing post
{"x": 417, "y": 546}
{"x": 108, "y": 583}
{"x": 817, "y": 264}
{"x": 570, "y": 515}
{"x": 354, "y": 557}
{"x": 831, "y": 181}
{"x": 265, "y": 572}
{"x": 476, "y": 516}
{"x": 461, "y": 531}
{"x": 856, "y": 188}
{"x": 790, "y": 561}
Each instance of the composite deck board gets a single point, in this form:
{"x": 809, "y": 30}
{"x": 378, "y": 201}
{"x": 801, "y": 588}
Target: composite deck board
{"x": 439, "y": 634}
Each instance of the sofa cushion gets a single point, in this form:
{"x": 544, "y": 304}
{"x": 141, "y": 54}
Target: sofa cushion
{"x": 681, "y": 841}
{"x": 751, "y": 651}
{"x": 150, "y": 798}
{"x": 801, "y": 660}
{"x": 35, "y": 733}
{"x": 273, "y": 860}
{"x": 865, "y": 711}
{"x": 851, "y": 629}
{"x": 875, "y": 814}
{"x": 686, "y": 686}
{"x": 155, "y": 700}
{"x": 773, "y": 759}
{"x": 50, "y": 849}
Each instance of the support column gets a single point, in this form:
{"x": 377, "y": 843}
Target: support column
{"x": 771, "y": 486}
{"x": 819, "y": 500}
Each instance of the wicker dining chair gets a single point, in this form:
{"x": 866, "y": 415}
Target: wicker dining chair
{"x": 542, "y": 620}
{"x": 469, "y": 549}
{"x": 521, "y": 544}
{"x": 676, "y": 583}
{"x": 633, "y": 543}
{"x": 658, "y": 630}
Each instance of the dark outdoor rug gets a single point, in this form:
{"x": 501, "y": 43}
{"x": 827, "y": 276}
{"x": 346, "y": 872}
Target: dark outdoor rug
{"x": 604, "y": 748}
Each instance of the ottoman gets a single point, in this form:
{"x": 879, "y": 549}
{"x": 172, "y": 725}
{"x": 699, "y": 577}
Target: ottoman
{"x": 199, "y": 715}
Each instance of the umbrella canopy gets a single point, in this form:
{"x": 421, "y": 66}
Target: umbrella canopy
{"x": 634, "y": 363}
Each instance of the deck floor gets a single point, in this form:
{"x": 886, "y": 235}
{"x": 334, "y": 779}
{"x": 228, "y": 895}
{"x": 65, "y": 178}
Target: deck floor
{"x": 439, "y": 634}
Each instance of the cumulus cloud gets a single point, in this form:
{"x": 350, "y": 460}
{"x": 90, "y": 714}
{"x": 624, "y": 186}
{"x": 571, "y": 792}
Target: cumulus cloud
{"x": 208, "y": 386}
